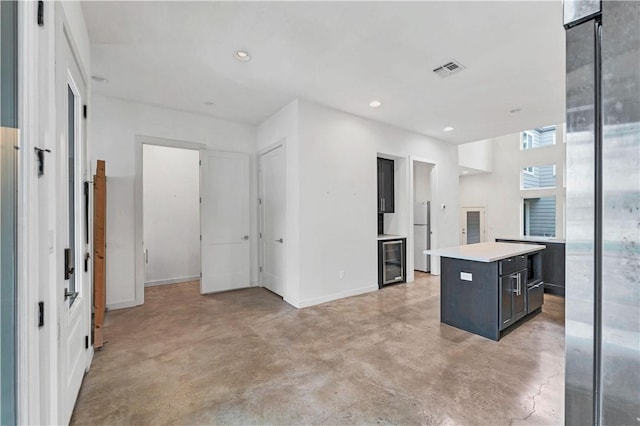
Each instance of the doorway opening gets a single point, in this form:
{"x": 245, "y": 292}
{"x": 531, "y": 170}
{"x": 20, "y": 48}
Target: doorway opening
{"x": 171, "y": 214}
{"x": 422, "y": 225}
{"x": 209, "y": 238}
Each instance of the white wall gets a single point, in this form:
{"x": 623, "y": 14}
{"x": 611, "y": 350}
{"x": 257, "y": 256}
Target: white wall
{"x": 476, "y": 155}
{"x": 499, "y": 192}
{"x": 114, "y": 127}
{"x": 338, "y": 215}
{"x": 171, "y": 208}
{"x": 422, "y": 181}
{"x": 79, "y": 34}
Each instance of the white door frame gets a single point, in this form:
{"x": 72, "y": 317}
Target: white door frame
{"x": 435, "y": 262}
{"x": 280, "y": 144}
{"x": 141, "y": 140}
{"x": 463, "y": 222}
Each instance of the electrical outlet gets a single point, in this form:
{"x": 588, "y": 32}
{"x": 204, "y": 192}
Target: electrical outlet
{"x": 341, "y": 275}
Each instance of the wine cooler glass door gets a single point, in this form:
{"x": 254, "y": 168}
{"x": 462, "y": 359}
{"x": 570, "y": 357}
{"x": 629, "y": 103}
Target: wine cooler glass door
{"x": 392, "y": 257}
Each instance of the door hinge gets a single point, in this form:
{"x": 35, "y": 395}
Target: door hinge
{"x": 261, "y": 269}
{"x": 201, "y": 237}
{"x": 260, "y": 235}
{"x": 86, "y": 342}
{"x": 200, "y": 162}
{"x": 200, "y": 200}
{"x": 41, "y": 13}
{"x": 259, "y": 200}
{"x": 40, "y": 314}
{"x": 84, "y": 111}
{"x": 200, "y": 274}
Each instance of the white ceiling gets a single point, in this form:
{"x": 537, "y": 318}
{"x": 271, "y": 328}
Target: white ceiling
{"x": 341, "y": 54}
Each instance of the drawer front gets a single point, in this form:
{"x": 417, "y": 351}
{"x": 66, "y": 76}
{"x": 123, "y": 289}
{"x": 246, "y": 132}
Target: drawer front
{"x": 507, "y": 266}
{"x": 535, "y": 296}
{"x": 521, "y": 262}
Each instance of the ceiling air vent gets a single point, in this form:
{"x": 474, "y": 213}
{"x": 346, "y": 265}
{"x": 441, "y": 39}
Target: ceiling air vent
{"x": 448, "y": 69}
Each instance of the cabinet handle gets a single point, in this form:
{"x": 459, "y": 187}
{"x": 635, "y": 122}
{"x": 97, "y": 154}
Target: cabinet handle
{"x": 517, "y": 278}
{"x": 519, "y": 284}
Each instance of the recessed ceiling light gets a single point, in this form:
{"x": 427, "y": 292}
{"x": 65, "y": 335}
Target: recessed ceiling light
{"x": 513, "y": 111}
{"x": 375, "y": 103}
{"x": 448, "y": 129}
{"x": 99, "y": 79}
{"x": 242, "y": 55}
{"x": 209, "y": 103}
{"x": 464, "y": 172}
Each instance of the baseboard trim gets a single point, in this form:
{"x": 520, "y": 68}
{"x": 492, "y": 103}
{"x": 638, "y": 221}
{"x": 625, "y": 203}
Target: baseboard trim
{"x": 331, "y": 297}
{"x": 121, "y": 305}
{"x": 171, "y": 281}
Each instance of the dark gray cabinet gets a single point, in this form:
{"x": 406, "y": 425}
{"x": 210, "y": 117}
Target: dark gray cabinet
{"x": 385, "y": 186}
{"x": 486, "y": 298}
{"x": 513, "y": 293}
{"x": 553, "y": 264}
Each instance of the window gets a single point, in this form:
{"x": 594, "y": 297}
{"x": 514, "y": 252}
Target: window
{"x": 527, "y": 140}
{"x": 539, "y": 217}
{"x": 535, "y": 138}
{"x": 539, "y": 177}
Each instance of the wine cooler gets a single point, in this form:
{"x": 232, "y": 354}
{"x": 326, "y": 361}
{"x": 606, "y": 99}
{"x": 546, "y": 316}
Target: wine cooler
{"x": 391, "y": 262}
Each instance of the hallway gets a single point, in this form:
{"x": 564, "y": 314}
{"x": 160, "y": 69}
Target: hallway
{"x": 246, "y": 357}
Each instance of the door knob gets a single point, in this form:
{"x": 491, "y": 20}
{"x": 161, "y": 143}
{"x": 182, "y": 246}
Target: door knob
{"x": 280, "y": 240}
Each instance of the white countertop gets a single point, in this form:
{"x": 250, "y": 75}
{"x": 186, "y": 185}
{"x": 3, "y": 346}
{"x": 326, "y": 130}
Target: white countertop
{"x": 486, "y": 252}
{"x": 389, "y": 237}
{"x": 534, "y": 239}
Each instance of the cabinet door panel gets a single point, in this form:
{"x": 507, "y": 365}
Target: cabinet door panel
{"x": 389, "y": 205}
{"x": 506, "y": 301}
{"x": 380, "y": 186}
{"x": 385, "y": 186}
{"x": 519, "y": 295}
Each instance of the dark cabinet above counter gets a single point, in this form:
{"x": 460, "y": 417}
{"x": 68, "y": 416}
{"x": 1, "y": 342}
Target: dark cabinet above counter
{"x": 385, "y": 186}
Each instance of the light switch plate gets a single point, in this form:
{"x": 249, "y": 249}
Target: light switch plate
{"x": 466, "y": 276}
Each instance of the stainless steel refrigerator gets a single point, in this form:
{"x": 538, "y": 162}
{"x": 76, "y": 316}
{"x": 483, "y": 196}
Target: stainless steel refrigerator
{"x": 421, "y": 236}
{"x": 602, "y": 304}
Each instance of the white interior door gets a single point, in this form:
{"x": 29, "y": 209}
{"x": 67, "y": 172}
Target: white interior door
{"x": 472, "y": 225}
{"x": 272, "y": 219}
{"x": 74, "y": 284}
{"x": 224, "y": 221}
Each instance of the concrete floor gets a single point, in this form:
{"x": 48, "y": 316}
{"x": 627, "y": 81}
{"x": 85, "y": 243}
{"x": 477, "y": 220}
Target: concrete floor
{"x": 246, "y": 357}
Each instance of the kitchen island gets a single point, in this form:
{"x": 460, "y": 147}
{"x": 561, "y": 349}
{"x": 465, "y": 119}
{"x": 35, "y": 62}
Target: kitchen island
{"x": 488, "y": 287}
